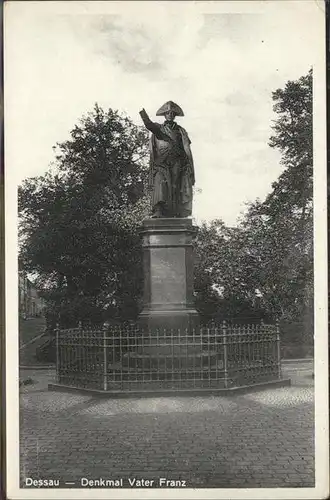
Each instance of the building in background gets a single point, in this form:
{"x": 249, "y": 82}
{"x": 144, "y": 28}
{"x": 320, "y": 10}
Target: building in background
{"x": 31, "y": 305}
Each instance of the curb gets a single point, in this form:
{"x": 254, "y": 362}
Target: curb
{"x": 37, "y": 367}
{"x": 174, "y": 392}
{"x": 299, "y": 360}
{"x": 50, "y": 367}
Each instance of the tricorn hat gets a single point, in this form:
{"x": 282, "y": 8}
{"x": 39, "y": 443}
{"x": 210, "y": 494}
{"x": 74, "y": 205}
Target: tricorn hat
{"x": 170, "y": 106}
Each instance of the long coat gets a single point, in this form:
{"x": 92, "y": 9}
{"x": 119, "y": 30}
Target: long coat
{"x": 172, "y": 172}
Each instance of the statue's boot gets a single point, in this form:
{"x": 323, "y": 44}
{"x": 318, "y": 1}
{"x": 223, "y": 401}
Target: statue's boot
{"x": 158, "y": 211}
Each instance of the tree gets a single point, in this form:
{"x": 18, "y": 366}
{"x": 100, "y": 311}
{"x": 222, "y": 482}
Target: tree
{"x": 294, "y": 138}
{"x": 224, "y": 274}
{"x": 280, "y": 230}
{"x": 264, "y": 267}
{"x": 78, "y": 223}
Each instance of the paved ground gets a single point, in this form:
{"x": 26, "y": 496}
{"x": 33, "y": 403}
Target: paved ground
{"x": 262, "y": 439}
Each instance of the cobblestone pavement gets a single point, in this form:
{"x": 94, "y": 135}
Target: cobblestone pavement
{"x": 262, "y": 439}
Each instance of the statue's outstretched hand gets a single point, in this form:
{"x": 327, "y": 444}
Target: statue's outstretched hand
{"x": 145, "y": 117}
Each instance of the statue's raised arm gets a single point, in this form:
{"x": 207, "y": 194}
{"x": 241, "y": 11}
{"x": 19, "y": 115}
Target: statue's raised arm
{"x": 171, "y": 164}
{"x": 150, "y": 125}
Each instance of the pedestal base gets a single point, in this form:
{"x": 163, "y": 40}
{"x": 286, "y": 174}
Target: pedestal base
{"x": 169, "y": 345}
{"x": 168, "y": 275}
{"x": 186, "y": 319}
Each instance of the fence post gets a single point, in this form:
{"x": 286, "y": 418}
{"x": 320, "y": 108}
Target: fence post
{"x": 105, "y": 364}
{"x": 225, "y": 352}
{"x": 57, "y": 332}
{"x": 278, "y": 347}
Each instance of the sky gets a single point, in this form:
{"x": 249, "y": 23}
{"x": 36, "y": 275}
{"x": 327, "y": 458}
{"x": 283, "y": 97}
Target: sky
{"x": 220, "y": 61}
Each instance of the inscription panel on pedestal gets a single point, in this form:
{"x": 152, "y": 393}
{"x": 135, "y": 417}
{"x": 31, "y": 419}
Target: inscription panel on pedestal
{"x": 167, "y": 239}
{"x": 168, "y": 275}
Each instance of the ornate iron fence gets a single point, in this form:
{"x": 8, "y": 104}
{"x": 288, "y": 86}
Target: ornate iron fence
{"x": 128, "y": 359}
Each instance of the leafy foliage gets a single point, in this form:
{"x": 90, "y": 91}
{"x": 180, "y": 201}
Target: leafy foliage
{"x": 79, "y": 225}
{"x": 282, "y": 226}
{"x": 264, "y": 267}
{"x": 224, "y": 279}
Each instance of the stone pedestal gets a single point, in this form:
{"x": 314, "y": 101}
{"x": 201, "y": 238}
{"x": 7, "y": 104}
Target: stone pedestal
{"x": 168, "y": 274}
{"x": 169, "y": 348}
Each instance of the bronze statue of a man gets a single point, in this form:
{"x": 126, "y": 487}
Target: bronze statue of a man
{"x": 171, "y": 164}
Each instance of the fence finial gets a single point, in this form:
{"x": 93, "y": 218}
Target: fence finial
{"x": 277, "y": 324}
